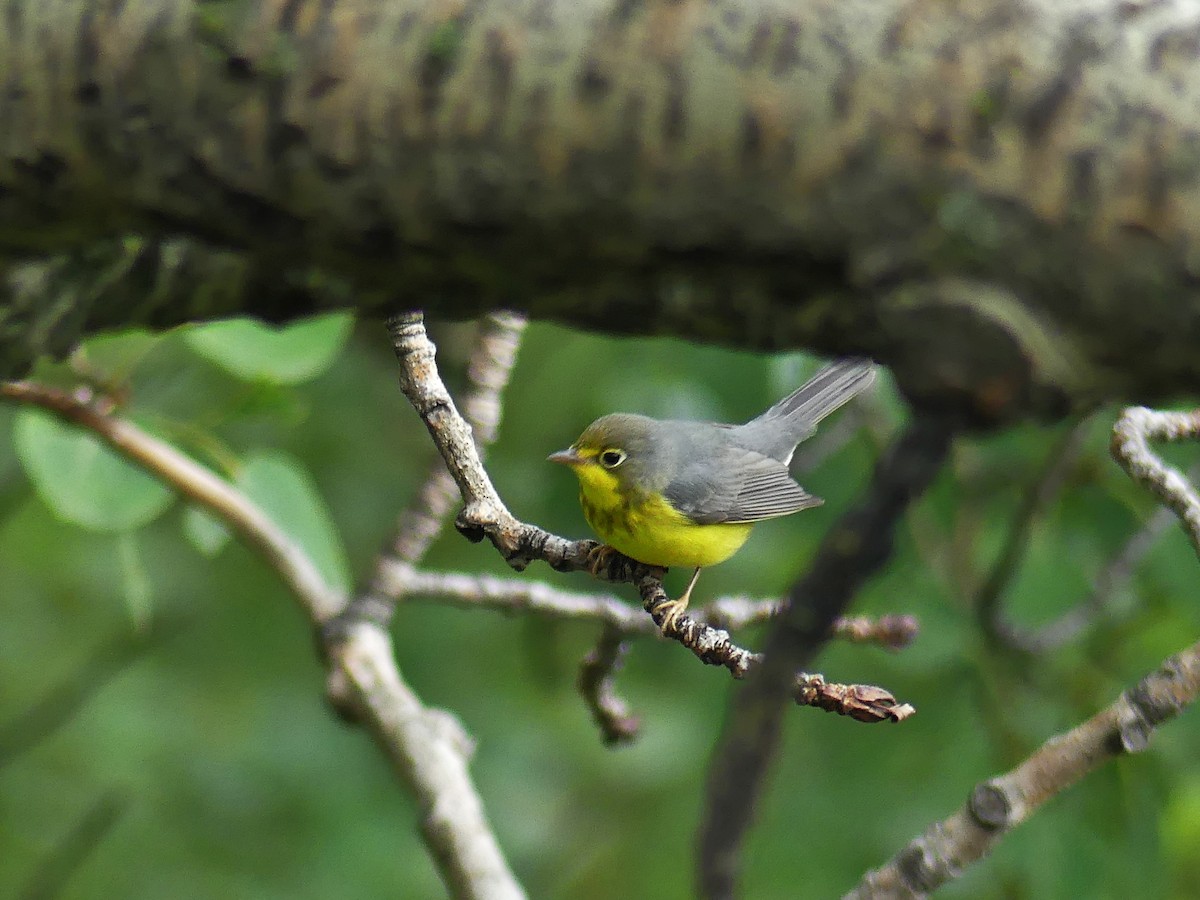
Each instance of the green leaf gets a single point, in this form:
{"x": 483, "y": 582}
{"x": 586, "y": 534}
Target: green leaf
{"x": 204, "y": 531}
{"x": 117, "y": 354}
{"x": 255, "y": 351}
{"x": 285, "y": 491}
{"x": 81, "y": 480}
{"x": 280, "y": 486}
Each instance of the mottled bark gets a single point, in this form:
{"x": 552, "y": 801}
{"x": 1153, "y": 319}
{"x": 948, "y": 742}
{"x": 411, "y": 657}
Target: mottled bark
{"x": 998, "y": 198}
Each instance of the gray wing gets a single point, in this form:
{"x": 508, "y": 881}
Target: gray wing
{"x": 737, "y": 485}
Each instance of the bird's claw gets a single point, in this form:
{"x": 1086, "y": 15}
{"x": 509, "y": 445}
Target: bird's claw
{"x": 599, "y": 558}
{"x": 671, "y": 612}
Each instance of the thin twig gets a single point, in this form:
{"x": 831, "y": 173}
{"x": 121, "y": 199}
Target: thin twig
{"x": 1131, "y": 438}
{"x": 1106, "y": 587}
{"x": 516, "y": 596}
{"x": 596, "y": 682}
{"x": 428, "y": 753}
{"x": 857, "y": 546}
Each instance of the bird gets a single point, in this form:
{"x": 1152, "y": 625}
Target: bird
{"x": 670, "y": 493}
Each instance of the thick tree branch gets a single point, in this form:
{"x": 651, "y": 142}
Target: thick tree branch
{"x": 882, "y": 178}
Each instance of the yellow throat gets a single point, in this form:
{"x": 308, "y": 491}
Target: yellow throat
{"x": 646, "y": 527}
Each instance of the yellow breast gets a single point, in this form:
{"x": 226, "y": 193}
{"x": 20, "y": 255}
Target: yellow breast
{"x": 651, "y": 531}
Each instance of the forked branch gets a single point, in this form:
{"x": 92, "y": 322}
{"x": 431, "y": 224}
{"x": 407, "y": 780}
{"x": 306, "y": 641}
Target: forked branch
{"x": 997, "y": 806}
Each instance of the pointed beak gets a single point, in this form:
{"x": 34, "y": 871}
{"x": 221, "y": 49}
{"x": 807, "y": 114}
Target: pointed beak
{"x": 568, "y": 457}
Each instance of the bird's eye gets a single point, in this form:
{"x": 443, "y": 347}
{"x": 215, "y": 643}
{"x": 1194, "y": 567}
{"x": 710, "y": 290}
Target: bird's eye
{"x": 610, "y": 459}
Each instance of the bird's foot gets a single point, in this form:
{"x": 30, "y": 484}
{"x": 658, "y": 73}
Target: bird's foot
{"x": 671, "y": 611}
{"x": 600, "y": 557}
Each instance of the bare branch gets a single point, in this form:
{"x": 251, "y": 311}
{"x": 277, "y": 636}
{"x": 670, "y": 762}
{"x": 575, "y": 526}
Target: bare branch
{"x": 597, "y": 675}
{"x": 861, "y": 702}
{"x": 431, "y": 749}
{"x": 488, "y": 369}
{"x": 418, "y": 526}
{"x": 1130, "y": 445}
{"x": 997, "y": 806}
{"x": 485, "y": 514}
{"x": 1105, "y": 588}
{"x": 858, "y": 545}
{"x": 428, "y": 754}
{"x": 891, "y": 632}
{"x": 519, "y": 595}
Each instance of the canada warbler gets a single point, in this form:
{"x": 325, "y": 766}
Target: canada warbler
{"x": 674, "y": 493}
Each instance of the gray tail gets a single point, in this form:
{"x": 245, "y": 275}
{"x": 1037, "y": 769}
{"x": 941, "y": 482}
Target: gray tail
{"x": 832, "y": 387}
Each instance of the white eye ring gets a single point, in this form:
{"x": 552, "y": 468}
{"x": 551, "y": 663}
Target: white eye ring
{"x": 612, "y": 458}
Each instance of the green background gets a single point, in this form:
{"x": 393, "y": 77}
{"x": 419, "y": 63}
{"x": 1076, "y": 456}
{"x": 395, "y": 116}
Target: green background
{"x": 230, "y": 777}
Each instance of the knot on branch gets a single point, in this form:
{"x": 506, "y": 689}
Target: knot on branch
{"x": 990, "y": 806}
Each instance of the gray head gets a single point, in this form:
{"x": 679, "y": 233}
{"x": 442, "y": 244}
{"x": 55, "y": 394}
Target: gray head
{"x": 633, "y": 449}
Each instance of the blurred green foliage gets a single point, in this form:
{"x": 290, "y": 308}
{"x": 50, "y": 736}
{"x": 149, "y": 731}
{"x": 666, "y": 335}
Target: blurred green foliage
{"x": 163, "y": 667}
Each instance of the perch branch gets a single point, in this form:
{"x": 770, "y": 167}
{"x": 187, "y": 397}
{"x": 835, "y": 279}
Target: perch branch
{"x": 485, "y": 515}
{"x": 488, "y": 370}
{"x": 429, "y": 752}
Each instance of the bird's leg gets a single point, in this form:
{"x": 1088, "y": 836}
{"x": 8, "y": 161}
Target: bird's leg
{"x": 673, "y": 609}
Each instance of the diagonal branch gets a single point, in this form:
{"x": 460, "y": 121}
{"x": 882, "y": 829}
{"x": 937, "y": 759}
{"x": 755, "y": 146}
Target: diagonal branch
{"x": 488, "y": 370}
{"x": 427, "y": 747}
{"x": 485, "y": 515}
{"x": 1037, "y": 496}
{"x": 52, "y": 875}
{"x": 995, "y": 807}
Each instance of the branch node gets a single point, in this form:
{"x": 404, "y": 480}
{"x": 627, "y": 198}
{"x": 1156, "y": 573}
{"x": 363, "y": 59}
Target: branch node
{"x": 918, "y": 868}
{"x": 989, "y": 805}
